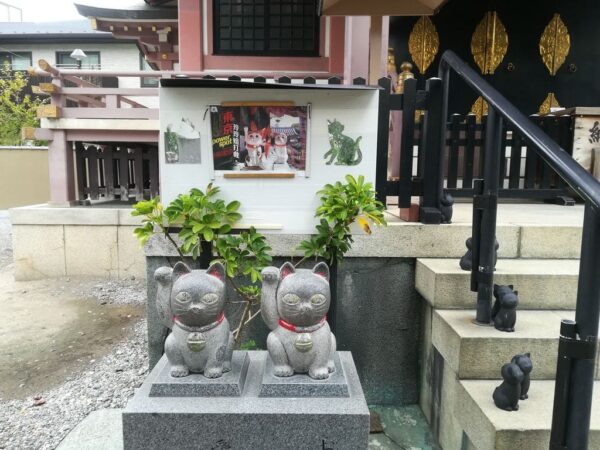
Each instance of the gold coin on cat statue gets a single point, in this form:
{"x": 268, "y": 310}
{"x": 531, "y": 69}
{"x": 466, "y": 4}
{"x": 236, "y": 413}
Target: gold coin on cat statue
{"x": 304, "y": 343}
{"x": 196, "y": 342}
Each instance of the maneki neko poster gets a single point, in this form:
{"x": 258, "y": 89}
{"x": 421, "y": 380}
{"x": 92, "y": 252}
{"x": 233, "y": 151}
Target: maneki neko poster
{"x": 270, "y": 146}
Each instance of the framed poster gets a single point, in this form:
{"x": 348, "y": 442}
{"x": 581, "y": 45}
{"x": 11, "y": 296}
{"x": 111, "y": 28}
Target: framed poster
{"x": 261, "y": 138}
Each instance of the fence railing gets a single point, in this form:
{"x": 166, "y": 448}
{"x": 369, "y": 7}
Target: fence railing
{"x": 522, "y": 173}
{"x": 116, "y": 171}
{"x": 578, "y": 339}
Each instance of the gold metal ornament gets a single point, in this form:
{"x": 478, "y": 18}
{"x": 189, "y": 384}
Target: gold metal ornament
{"x": 549, "y": 102}
{"x": 423, "y": 43}
{"x": 479, "y": 108}
{"x": 555, "y": 44}
{"x": 489, "y": 43}
{"x": 404, "y": 75}
{"x": 391, "y": 62}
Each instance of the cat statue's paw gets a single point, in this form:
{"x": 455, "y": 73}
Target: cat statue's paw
{"x": 283, "y": 371}
{"x": 270, "y": 274}
{"x": 319, "y": 374}
{"x": 227, "y": 366}
{"x": 179, "y": 371}
{"x": 213, "y": 372}
{"x": 331, "y": 366}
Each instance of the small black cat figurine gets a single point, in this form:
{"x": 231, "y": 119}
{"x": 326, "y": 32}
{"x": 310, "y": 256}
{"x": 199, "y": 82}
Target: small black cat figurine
{"x": 504, "y": 312}
{"x": 526, "y": 366}
{"x": 466, "y": 262}
{"x": 446, "y": 207}
{"x": 506, "y": 396}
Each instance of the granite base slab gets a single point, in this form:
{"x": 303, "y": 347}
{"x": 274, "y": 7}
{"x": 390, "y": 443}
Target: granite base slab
{"x": 230, "y": 384}
{"x": 249, "y": 421}
{"x": 301, "y": 385}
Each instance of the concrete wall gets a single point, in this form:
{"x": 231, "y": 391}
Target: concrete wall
{"x": 78, "y": 241}
{"x": 23, "y": 176}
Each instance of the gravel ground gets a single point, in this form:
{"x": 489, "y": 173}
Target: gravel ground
{"x": 107, "y": 383}
{"x": 42, "y": 421}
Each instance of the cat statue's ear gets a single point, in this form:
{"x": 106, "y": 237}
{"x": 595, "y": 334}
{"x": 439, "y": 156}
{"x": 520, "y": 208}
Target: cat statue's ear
{"x": 322, "y": 269}
{"x": 287, "y": 269}
{"x": 217, "y": 270}
{"x": 179, "y": 270}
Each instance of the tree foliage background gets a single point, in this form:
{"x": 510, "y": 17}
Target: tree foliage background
{"x": 17, "y": 108}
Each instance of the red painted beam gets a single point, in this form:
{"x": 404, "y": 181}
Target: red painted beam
{"x": 190, "y": 32}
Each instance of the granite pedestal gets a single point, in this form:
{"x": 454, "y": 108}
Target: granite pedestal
{"x": 308, "y": 414}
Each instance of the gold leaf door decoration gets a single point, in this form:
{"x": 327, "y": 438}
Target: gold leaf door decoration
{"x": 548, "y": 103}
{"x": 489, "y": 43}
{"x": 423, "y": 43}
{"x": 555, "y": 44}
{"x": 480, "y": 108}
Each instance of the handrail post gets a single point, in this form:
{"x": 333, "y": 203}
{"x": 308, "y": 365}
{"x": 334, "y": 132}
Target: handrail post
{"x": 488, "y": 203}
{"x": 383, "y": 139}
{"x": 574, "y": 395}
{"x": 430, "y": 211}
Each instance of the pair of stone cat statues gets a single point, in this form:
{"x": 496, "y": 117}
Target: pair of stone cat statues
{"x": 294, "y": 306}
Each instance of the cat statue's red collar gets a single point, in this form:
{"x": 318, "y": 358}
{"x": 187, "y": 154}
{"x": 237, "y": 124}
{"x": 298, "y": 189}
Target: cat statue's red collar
{"x": 296, "y": 329}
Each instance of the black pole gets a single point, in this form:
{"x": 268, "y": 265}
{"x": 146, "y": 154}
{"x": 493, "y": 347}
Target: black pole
{"x": 489, "y": 204}
{"x": 432, "y": 158}
{"x": 383, "y": 139}
{"x": 587, "y": 314}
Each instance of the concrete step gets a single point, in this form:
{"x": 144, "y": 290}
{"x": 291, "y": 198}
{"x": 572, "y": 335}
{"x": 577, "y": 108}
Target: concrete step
{"x": 478, "y": 352}
{"x": 542, "y": 283}
{"x": 528, "y": 428}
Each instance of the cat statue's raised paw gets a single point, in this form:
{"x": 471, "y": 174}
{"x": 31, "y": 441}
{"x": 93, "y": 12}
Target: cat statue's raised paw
{"x": 294, "y": 306}
{"x": 191, "y": 303}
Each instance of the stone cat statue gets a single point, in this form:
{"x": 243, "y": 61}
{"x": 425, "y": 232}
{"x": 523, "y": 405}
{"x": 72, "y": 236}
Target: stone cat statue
{"x": 191, "y": 303}
{"x": 507, "y": 395}
{"x": 504, "y": 311}
{"x": 294, "y": 306}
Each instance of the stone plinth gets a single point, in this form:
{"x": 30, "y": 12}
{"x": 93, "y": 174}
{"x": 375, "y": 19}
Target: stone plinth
{"x": 197, "y": 385}
{"x": 301, "y": 385}
{"x": 250, "y": 421}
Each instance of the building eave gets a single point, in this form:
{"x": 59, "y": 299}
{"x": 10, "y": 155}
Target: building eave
{"x": 148, "y": 13}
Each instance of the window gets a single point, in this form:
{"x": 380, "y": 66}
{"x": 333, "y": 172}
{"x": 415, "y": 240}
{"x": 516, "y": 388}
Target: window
{"x": 266, "y": 27}
{"x": 147, "y": 81}
{"x": 91, "y": 60}
{"x": 16, "y": 60}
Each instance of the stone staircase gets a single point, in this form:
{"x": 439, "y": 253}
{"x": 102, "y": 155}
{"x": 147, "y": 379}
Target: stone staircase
{"x": 461, "y": 361}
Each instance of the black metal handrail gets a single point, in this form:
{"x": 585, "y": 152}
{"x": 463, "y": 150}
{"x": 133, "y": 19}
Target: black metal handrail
{"x": 578, "y": 339}
{"x": 568, "y": 169}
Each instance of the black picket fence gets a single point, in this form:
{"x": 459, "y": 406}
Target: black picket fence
{"x": 522, "y": 173}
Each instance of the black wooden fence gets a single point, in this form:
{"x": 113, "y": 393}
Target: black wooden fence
{"x": 523, "y": 174}
{"x": 112, "y": 171}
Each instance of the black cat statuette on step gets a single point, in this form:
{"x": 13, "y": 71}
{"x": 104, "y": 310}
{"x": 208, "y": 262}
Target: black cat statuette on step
{"x": 446, "y": 203}
{"x": 526, "y": 366}
{"x": 466, "y": 262}
{"x": 507, "y": 395}
{"x": 504, "y": 312}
